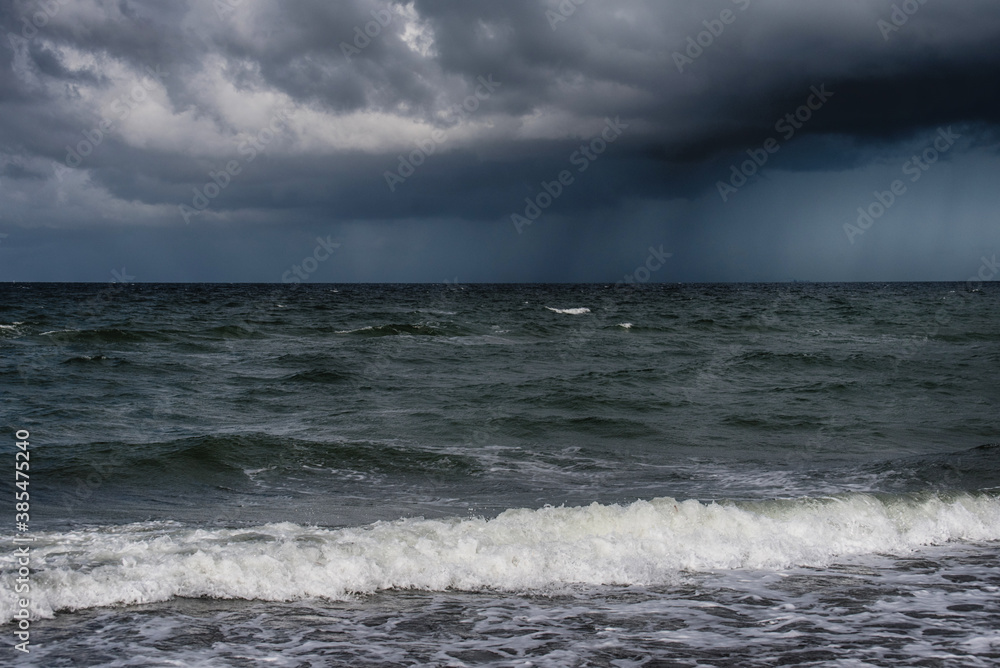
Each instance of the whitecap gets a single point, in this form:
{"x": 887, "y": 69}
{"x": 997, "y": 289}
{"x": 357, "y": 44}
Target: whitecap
{"x": 643, "y": 543}
{"x": 569, "y": 311}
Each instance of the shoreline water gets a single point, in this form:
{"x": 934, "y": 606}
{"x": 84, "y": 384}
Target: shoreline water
{"x": 424, "y": 475}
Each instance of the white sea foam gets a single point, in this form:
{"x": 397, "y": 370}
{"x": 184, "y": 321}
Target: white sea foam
{"x": 625, "y": 325}
{"x": 647, "y": 542}
{"x": 569, "y": 311}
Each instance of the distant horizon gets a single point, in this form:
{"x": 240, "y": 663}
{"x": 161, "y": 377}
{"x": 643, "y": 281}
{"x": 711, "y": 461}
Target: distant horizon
{"x": 461, "y": 283}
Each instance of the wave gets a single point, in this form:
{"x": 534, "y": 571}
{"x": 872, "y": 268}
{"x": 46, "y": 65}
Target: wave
{"x": 106, "y": 335}
{"x": 322, "y": 376}
{"x": 569, "y": 311}
{"x": 976, "y": 469}
{"x": 226, "y": 332}
{"x": 86, "y": 359}
{"x": 406, "y": 330}
{"x": 644, "y": 543}
{"x": 227, "y": 458}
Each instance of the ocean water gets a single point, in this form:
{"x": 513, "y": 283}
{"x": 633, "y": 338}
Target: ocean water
{"x": 529, "y": 475}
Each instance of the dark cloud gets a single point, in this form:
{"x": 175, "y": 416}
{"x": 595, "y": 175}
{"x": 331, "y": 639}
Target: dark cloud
{"x": 161, "y": 96}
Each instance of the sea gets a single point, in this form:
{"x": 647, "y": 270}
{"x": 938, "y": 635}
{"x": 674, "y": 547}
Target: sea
{"x": 501, "y": 475}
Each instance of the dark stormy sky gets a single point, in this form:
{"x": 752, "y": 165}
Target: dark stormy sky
{"x": 371, "y": 140}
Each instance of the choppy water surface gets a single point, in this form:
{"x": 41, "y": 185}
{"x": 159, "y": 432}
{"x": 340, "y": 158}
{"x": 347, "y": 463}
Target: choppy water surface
{"x": 508, "y": 475}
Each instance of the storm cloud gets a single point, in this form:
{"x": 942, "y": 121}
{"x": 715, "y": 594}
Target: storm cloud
{"x": 524, "y": 140}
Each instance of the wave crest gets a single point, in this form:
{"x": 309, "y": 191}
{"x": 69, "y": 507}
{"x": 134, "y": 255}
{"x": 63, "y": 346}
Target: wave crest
{"x": 646, "y": 542}
{"x": 569, "y": 311}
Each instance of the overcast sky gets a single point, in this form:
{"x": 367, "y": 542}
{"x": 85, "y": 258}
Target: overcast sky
{"x": 498, "y": 140}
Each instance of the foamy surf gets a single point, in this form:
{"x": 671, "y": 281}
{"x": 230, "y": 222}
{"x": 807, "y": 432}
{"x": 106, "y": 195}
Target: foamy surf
{"x": 569, "y": 311}
{"x": 13, "y": 329}
{"x": 644, "y": 543}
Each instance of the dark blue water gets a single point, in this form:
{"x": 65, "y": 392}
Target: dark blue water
{"x": 509, "y": 475}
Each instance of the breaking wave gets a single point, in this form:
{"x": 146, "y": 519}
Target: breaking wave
{"x": 646, "y": 542}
